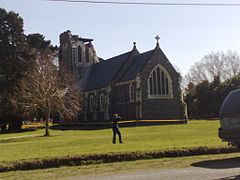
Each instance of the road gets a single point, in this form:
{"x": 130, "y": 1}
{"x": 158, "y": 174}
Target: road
{"x": 228, "y": 169}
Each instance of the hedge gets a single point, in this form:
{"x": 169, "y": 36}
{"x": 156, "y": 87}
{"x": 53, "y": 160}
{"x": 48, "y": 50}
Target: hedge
{"x": 108, "y": 158}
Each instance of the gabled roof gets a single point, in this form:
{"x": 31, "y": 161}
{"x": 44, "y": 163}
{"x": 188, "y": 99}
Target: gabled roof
{"x": 136, "y": 66}
{"x": 100, "y": 74}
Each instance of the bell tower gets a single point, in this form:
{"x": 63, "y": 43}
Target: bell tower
{"x": 76, "y": 53}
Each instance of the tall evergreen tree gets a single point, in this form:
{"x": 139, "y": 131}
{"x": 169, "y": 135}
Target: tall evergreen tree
{"x": 14, "y": 57}
{"x": 37, "y": 41}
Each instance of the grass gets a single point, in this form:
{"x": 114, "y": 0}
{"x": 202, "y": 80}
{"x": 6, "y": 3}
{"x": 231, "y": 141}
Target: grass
{"x": 77, "y": 142}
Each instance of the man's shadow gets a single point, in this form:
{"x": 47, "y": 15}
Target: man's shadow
{"x": 229, "y": 178}
{"x": 228, "y": 163}
{"x": 219, "y": 163}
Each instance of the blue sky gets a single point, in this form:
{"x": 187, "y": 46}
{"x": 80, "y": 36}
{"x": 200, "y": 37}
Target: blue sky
{"x": 186, "y": 33}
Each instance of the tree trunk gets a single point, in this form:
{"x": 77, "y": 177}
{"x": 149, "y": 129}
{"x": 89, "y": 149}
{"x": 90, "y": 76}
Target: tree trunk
{"x": 3, "y": 127}
{"x": 47, "y": 124}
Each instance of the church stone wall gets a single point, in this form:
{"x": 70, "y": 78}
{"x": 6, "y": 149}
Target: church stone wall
{"x": 121, "y": 103}
{"x": 161, "y": 107}
{"x": 93, "y": 112}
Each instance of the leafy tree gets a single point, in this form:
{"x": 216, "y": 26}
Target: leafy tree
{"x": 14, "y": 57}
{"x": 49, "y": 91}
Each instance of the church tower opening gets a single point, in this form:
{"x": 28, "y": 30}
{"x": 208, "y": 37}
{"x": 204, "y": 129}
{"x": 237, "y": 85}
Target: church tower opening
{"x": 76, "y": 53}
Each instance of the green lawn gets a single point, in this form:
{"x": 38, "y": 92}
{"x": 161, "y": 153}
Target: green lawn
{"x": 148, "y": 138}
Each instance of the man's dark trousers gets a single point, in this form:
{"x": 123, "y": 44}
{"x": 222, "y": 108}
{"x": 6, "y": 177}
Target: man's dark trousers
{"x": 116, "y": 131}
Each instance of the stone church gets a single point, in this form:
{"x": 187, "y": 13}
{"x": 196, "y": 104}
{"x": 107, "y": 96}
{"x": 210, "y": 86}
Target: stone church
{"x": 138, "y": 86}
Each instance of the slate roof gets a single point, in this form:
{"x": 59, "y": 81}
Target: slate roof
{"x": 100, "y": 74}
{"x": 136, "y": 66}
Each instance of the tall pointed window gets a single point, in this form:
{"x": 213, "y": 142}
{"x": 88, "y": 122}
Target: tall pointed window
{"x": 79, "y": 54}
{"x": 87, "y": 54}
{"x": 92, "y": 103}
{"x": 131, "y": 93}
{"x": 102, "y": 102}
{"x": 158, "y": 82}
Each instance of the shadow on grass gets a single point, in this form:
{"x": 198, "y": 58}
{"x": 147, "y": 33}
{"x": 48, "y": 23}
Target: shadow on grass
{"x": 219, "y": 163}
{"x": 205, "y": 119}
{"x": 106, "y": 125}
{"x": 20, "y": 139}
{"x": 19, "y": 131}
{"x": 237, "y": 177}
{"x": 78, "y": 127}
{"x": 65, "y": 127}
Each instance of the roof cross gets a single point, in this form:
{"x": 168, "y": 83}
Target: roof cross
{"x": 134, "y": 44}
{"x": 157, "y": 39}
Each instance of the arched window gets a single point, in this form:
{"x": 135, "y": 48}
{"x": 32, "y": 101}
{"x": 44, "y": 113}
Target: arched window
{"x": 79, "y": 54}
{"x": 158, "y": 82}
{"x": 87, "y": 54}
{"x": 131, "y": 93}
{"x": 102, "y": 102}
{"x": 92, "y": 103}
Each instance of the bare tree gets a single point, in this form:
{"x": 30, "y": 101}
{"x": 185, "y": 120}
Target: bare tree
{"x": 231, "y": 64}
{"x": 49, "y": 91}
{"x": 219, "y": 64}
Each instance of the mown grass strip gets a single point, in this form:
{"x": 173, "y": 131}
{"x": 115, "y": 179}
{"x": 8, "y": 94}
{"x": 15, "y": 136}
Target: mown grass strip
{"x": 108, "y": 158}
{"x": 170, "y": 120}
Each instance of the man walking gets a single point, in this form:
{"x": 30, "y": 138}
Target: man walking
{"x": 116, "y": 129}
